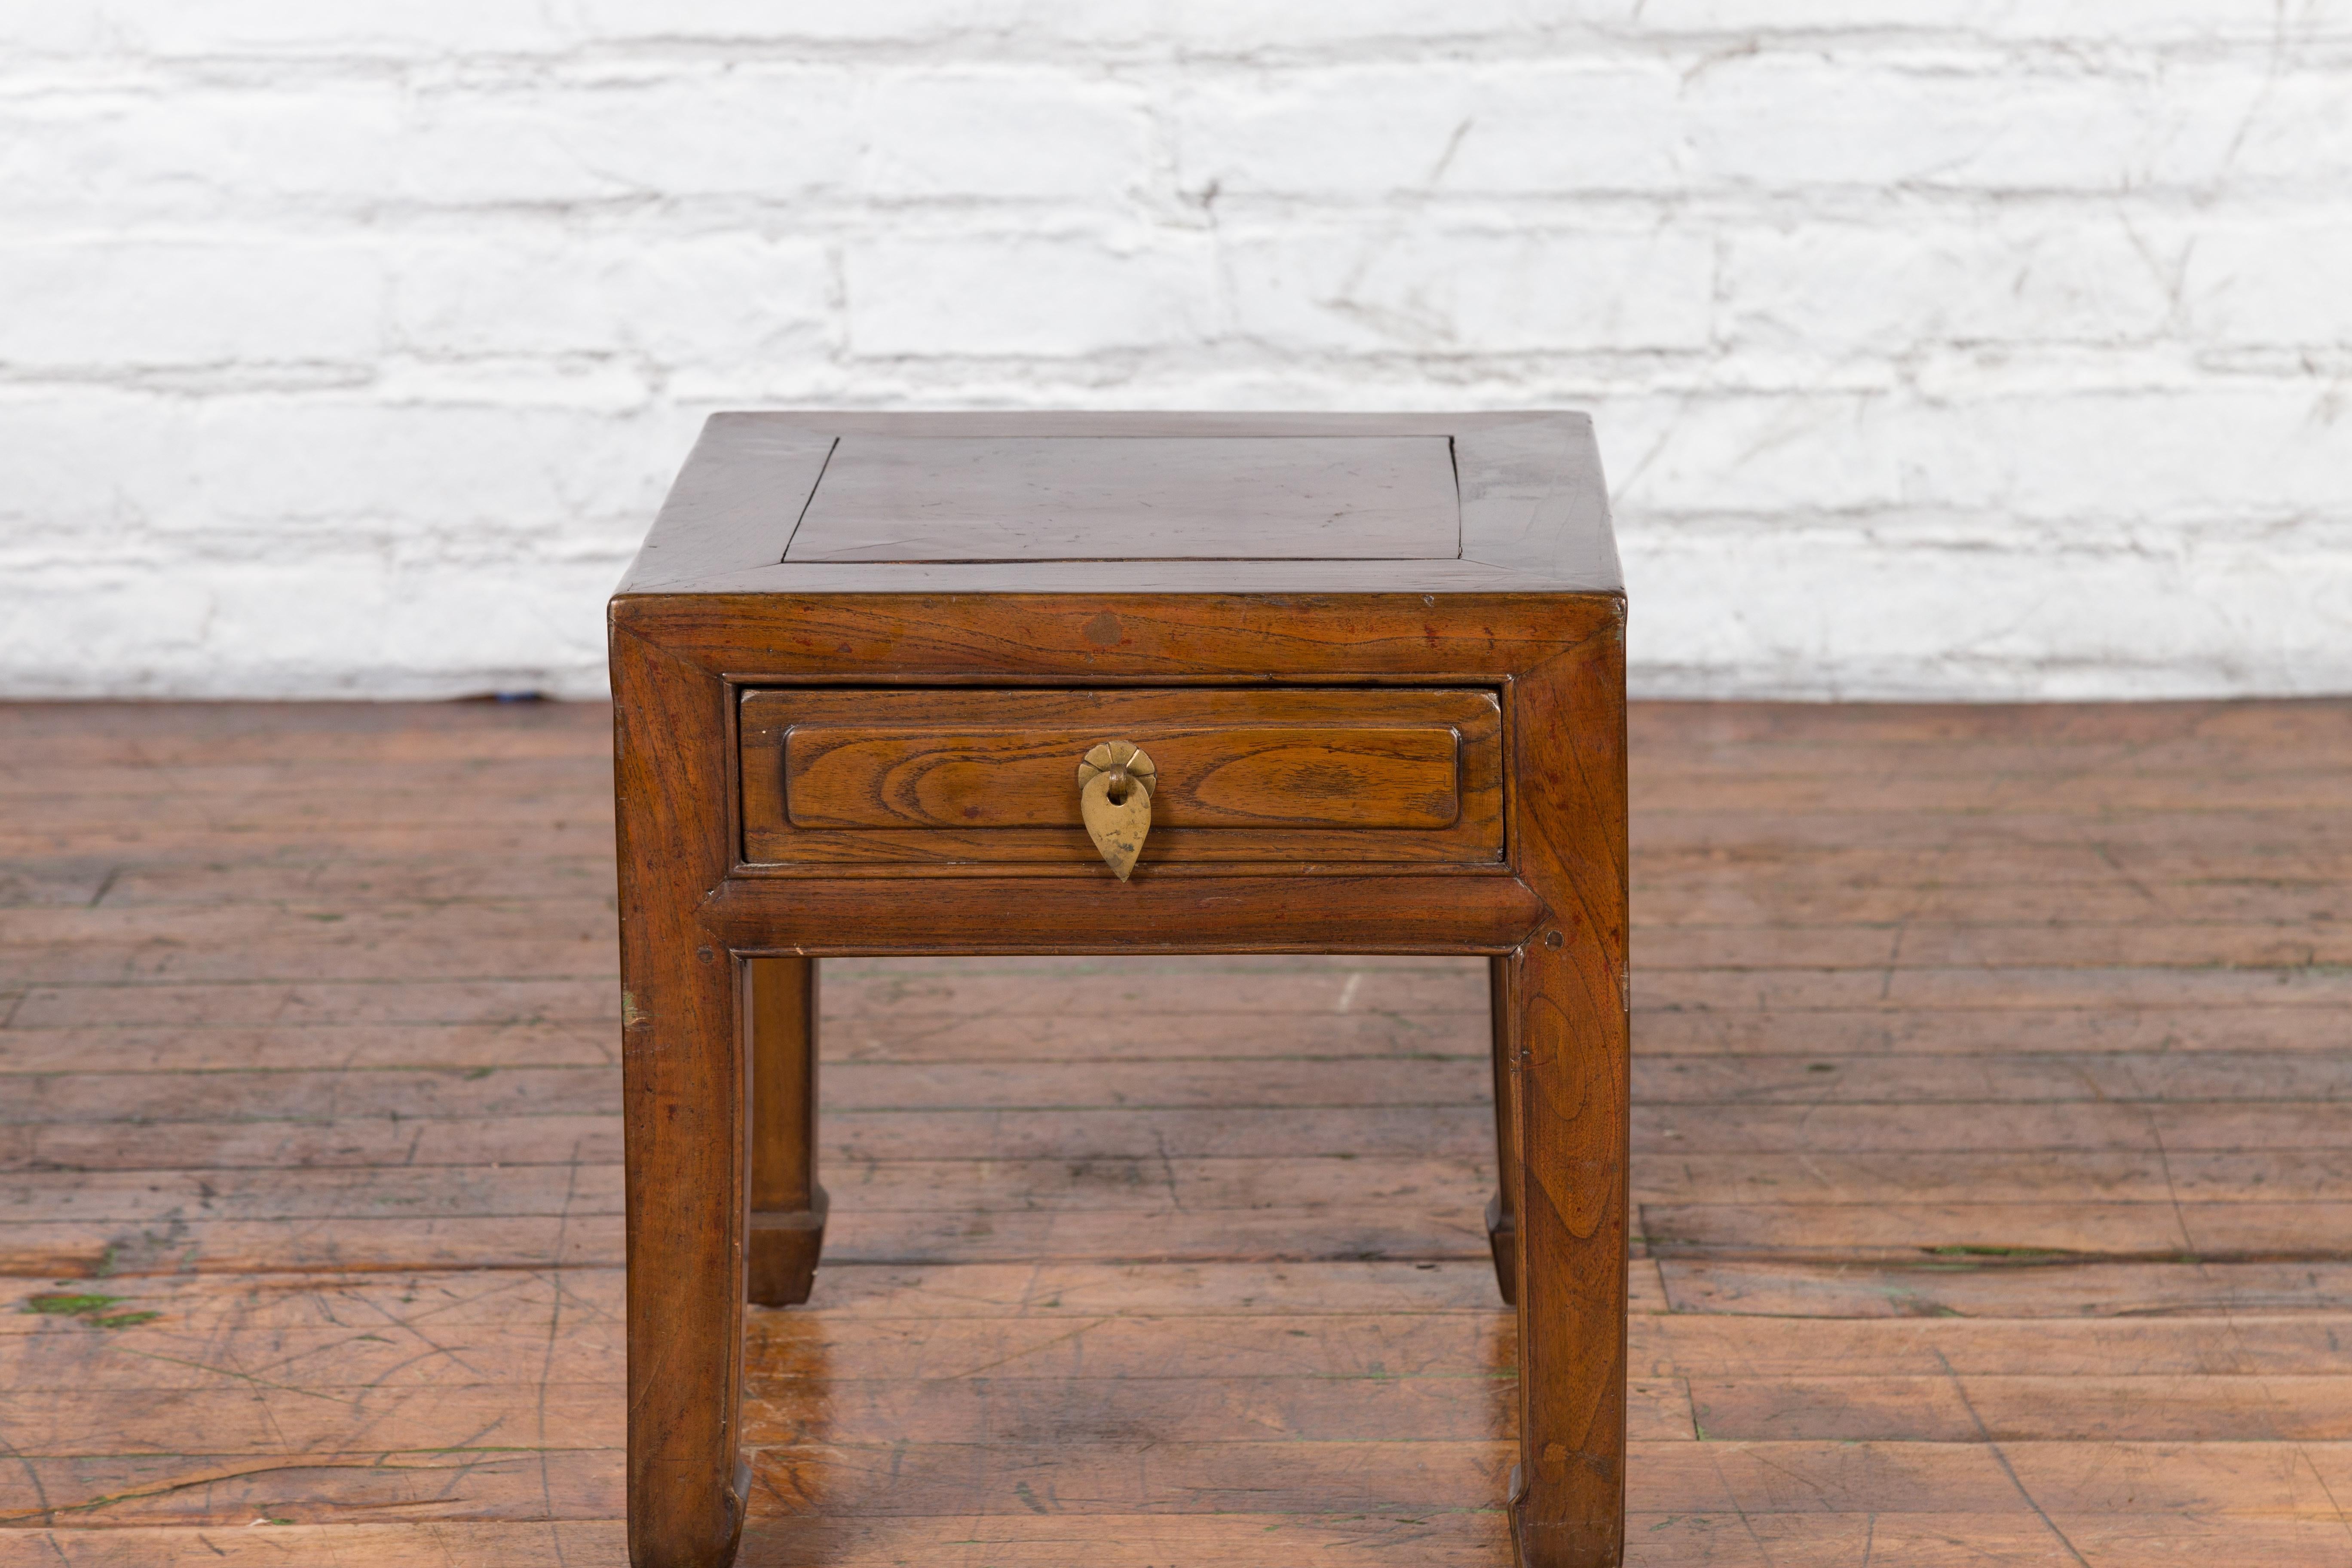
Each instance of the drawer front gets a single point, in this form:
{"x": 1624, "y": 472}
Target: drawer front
{"x": 1350, "y": 775}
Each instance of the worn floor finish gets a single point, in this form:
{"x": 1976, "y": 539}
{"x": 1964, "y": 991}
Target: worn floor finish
{"x": 1992, "y": 1172}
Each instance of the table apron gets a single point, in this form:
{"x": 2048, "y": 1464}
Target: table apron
{"x": 843, "y": 917}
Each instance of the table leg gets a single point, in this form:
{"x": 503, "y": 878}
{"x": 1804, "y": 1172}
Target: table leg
{"x": 1502, "y": 1209}
{"x": 682, "y": 1082}
{"x": 788, "y": 1206}
{"x": 688, "y": 1481}
{"x": 1568, "y": 993}
{"x": 1568, "y": 1490}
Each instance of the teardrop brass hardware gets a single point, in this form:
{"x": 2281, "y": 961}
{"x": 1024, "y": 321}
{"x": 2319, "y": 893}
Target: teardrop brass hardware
{"x": 1115, "y": 784}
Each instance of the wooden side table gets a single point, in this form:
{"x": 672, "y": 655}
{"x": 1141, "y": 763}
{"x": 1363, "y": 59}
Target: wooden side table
{"x": 880, "y": 683}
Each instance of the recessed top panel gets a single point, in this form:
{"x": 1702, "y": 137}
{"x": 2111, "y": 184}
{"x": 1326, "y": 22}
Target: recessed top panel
{"x": 1132, "y": 497}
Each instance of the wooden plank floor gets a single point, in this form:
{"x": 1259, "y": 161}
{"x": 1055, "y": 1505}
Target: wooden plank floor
{"x": 1993, "y": 1169}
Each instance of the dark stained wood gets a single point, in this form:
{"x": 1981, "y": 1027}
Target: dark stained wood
{"x": 1113, "y": 639}
{"x": 863, "y": 776}
{"x": 734, "y": 506}
{"x": 835, "y": 915}
{"x": 683, "y": 1089}
{"x": 1569, "y": 995}
{"x": 1502, "y": 1209}
{"x": 1533, "y": 515}
{"x": 273, "y": 1062}
{"x": 788, "y": 1205}
{"x": 1245, "y": 773}
{"x": 965, "y": 778}
{"x": 1133, "y": 497}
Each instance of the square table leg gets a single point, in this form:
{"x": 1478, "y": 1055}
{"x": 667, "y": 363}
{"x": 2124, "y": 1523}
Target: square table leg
{"x": 1567, "y": 999}
{"x": 788, "y": 1206}
{"x": 683, "y": 1084}
{"x": 1502, "y": 1209}
{"x": 687, "y": 1481}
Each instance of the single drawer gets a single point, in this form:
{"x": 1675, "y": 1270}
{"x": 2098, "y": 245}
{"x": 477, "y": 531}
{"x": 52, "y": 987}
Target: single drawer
{"x": 1344, "y": 776}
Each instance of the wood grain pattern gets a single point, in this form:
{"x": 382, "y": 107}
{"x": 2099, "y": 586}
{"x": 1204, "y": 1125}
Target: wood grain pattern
{"x": 1568, "y": 991}
{"x": 1258, "y": 777}
{"x": 840, "y": 916}
{"x": 1133, "y": 497}
{"x": 1114, "y": 638}
{"x": 788, "y": 1205}
{"x": 683, "y": 1086}
{"x": 1533, "y": 515}
{"x": 736, "y": 502}
{"x": 1266, "y": 777}
{"x": 1238, "y": 779}
{"x": 265, "y": 1067}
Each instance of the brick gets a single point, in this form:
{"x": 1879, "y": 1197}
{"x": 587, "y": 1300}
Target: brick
{"x": 2292, "y": 142}
{"x": 144, "y": 627}
{"x": 150, "y": 303}
{"x": 1242, "y": 26}
{"x": 114, "y": 155}
{"x": 1786, "y": 454}
{"x": 2280, "y": 283}
{"x": 351, "y": 28}
{"x": 2152, "y": 456}
{"x": 502, "y": 625}
{"x": 1893, "y": 281}
{"x": 1787, "y": 121}
{"x": 2000, "y": 618}
{"x": 958, "y": 135}
{"x": 1030, "y": 296}
{"x": 1012, "y": 25}
{"x": 2103, "y": 22}
{"x": 1473, "y": 291}
{"x": 53, "y": 439}
{"x": 226, "y": 475}
{"x": 360, "y": 151}
{"x": 29, "y": 32}
{"x": 2267, "y": 450}
{"x": 677, "y": 298}
{"x": 630, "y": 138}
{"x": 459, "y": 482}
{"x": 298, "y": 630}
{"x": 1376, "y": 131}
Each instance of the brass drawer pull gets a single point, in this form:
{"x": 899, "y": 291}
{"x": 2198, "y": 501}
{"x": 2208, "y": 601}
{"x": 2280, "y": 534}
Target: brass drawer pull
{"x": 1115, "y": 784}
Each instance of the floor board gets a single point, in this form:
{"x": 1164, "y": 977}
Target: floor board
{"x": 1991, "y": 1173}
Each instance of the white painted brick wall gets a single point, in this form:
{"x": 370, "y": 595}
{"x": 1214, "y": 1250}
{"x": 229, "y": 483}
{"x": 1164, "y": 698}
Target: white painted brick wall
{"x": 1976, "y": 348}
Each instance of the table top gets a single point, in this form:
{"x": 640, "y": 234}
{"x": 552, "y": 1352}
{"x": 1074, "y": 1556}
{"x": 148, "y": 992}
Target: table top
{"x": 802, "y": 503}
